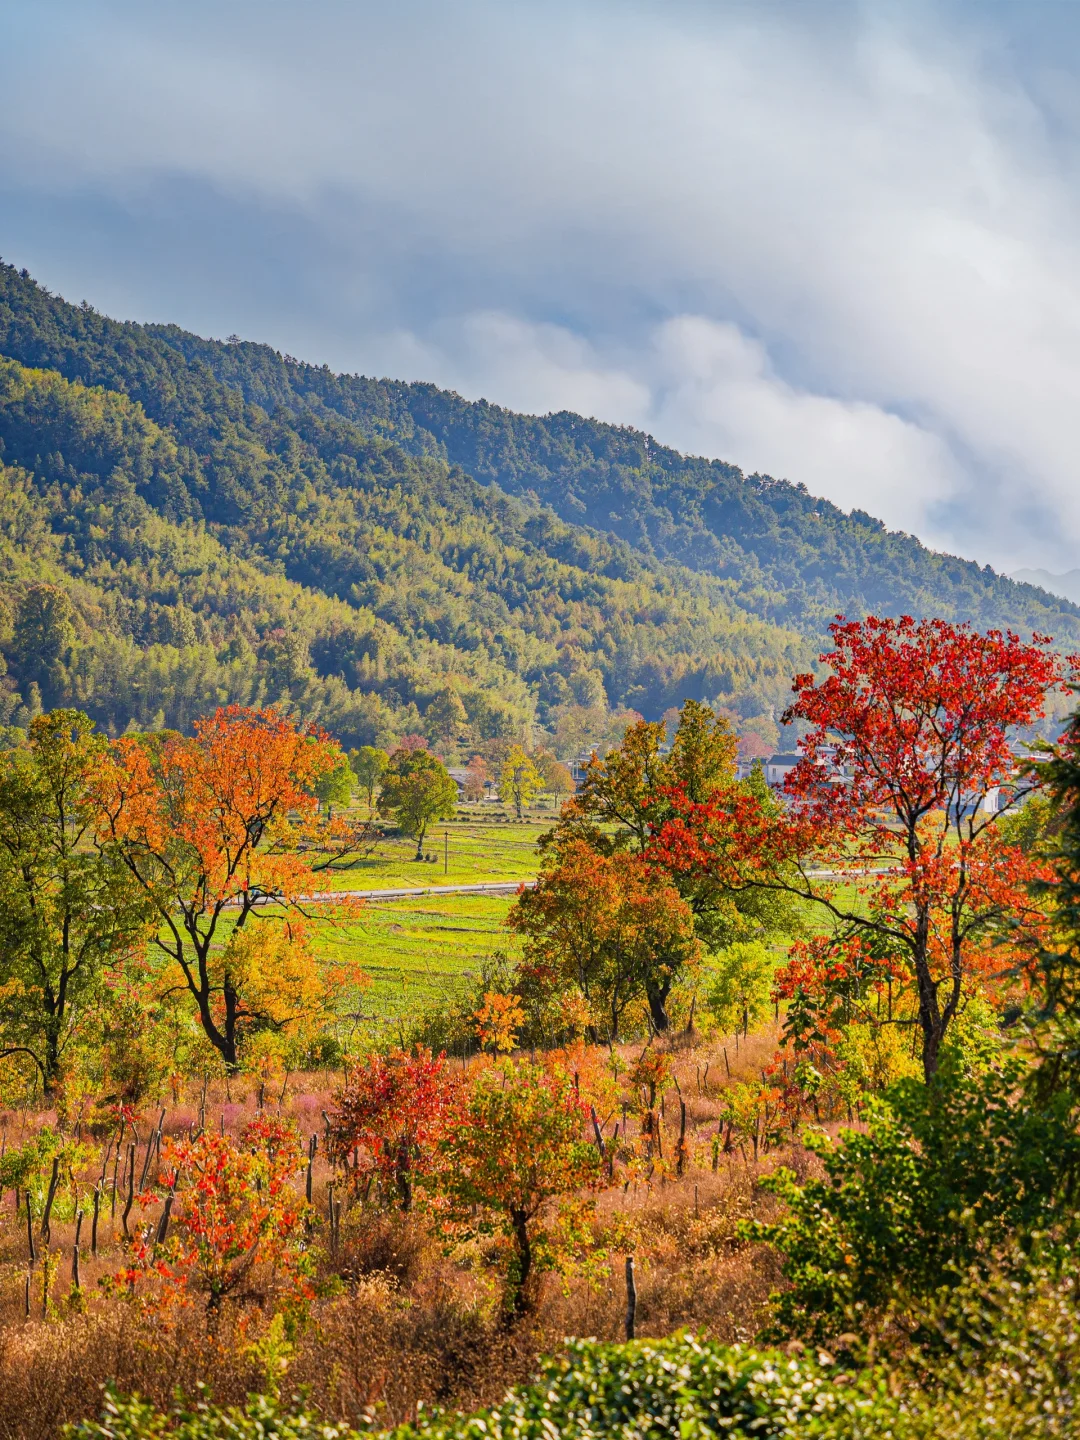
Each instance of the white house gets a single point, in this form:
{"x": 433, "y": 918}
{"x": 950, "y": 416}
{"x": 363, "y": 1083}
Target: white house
{"x": 779, "y": 766}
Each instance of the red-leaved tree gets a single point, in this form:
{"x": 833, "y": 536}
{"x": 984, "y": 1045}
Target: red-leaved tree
{"x": 888, "y": 824}
{"x": 394, "y": 1110}
{"x": 232, "y": 1211}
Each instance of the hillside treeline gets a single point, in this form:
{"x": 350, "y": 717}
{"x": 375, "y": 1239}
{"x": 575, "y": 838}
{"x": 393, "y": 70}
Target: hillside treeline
{"x": 220, "y": 524}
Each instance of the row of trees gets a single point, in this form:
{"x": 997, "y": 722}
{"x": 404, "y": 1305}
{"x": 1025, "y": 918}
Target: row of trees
{"x": 660, "y": 872}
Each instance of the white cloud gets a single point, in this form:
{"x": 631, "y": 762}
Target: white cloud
{"x": 720, "y": 396}
{"x": 535, "y": 368}
{"x": 839, "y": 244}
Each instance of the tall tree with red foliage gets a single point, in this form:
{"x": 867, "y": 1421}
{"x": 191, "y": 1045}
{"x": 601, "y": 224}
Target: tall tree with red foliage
{"x": 910, "y": 734}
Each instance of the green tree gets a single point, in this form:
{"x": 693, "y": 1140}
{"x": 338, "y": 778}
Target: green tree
{"x": 556, "y": 776}
{"x": 416, "y": 790}
{"x": 624, "y": 801}
{"x": 445, "y": 717}
{"x": 369, "y": 764}
{"x": 740, "y": 985}
{"x": 519, "y": 779}
{"x": 609, "y": 925}
{"x": 954, "y": 1173}
{"x": 67, "y": 909}
{"x": 44, "y": 630}
{"x": 335, "y": 787}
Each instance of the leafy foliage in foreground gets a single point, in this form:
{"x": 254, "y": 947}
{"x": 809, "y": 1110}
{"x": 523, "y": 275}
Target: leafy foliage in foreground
{"x": 653, "y": 1388}
{"x": 947, "y": 1176}
{"x": 682, "y": 1386}
{"x": 262, "y": 1418}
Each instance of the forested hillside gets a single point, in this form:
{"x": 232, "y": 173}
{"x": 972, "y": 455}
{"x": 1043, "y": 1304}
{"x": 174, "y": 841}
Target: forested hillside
{"x": 219, "y": 523}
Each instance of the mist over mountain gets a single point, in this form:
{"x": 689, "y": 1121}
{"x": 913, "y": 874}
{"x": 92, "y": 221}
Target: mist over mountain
{"x": 222, "y": 523}
{"x": 1067, "y": 586}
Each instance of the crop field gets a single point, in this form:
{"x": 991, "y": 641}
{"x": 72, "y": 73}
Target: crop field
{"x": 417, "y": 950}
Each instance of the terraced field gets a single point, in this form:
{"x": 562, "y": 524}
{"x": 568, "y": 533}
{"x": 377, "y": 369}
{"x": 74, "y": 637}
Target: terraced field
{"x": 418, "y": 949}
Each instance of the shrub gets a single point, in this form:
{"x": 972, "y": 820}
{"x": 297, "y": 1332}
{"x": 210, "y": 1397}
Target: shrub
{"x": 683, "y": 1387}
{"x": 262, "y": 1418}
{"x": 946, "y": 1175}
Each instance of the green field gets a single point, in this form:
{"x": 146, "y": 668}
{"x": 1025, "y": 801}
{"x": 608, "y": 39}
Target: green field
{"x": 417, "y": 951}
{"x": 467, "y": 851}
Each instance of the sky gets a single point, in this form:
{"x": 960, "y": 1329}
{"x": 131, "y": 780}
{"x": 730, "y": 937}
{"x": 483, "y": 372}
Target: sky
{"x": 829, "y": 241}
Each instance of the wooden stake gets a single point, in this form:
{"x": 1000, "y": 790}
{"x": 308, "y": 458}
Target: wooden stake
{"x": 130, "y": 1191}
{"x": 631, "y": 1298}
{"x": 163, "y": 1223}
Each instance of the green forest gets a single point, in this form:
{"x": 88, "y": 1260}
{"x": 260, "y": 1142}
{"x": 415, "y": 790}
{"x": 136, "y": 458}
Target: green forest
{"x": 187, "y": 523}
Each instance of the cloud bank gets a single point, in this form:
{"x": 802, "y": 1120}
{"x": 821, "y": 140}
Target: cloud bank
{"x": 833, "y": 242}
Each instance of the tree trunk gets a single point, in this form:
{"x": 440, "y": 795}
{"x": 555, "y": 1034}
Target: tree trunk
{"x": 50, "y": 1078}
{"x": 931, "y": 1021}
{"x": 402, "y": 1175}
{"x": 517, "y": 1298}
{"x": 657, "y": 997}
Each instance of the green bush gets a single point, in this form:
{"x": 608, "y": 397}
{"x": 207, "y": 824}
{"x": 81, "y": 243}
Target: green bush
{"x": 947, "y": 1176}
{"x": 131, "y": 1418}
{"x": 681, "y": 1387}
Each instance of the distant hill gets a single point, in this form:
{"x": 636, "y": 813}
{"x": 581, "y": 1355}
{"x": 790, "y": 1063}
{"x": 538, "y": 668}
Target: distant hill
{"x": 1067, "y": 586}
{"x": 227, "y": 524}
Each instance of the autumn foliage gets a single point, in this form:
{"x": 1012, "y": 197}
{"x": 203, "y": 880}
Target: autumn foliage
{"x": 212, "y": 826}
{"x": 234, "y": 1220}
{"x": 390, "y": 1117}
{"x": 888, "y": 826}
{"x": 513, "y": 1146}
{"x": 612, "y": 926}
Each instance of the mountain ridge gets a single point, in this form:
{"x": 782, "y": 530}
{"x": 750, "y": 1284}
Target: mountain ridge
{"x": 366, "y": 544}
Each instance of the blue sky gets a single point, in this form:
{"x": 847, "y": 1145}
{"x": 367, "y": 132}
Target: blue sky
{"x": 835, "y": 242}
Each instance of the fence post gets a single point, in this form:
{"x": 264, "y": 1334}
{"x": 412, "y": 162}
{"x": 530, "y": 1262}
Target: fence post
{"x": 631, "y": 1298}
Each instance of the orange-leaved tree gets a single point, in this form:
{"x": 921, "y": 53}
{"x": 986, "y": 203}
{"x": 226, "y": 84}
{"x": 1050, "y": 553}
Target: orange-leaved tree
{"x": 891, "y": 823}
{"x": 232, "y": 1209}
{"x": 499, "y": 1021}
{"x": 394, "y": 1108}
{"x": 610, "y": 925}
{"x": 214, "y": 827}
{"x": 515, "y": 1145}
{"x": 629, "y": 795}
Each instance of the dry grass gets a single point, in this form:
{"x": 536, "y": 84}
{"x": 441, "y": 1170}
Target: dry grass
{"x": 399, "y": 1321}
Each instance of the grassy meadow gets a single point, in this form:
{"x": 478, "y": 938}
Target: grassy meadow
{"x": 419, "y": 950}
{"x": 474, "y": 848}
{"x": 416, "y": 951}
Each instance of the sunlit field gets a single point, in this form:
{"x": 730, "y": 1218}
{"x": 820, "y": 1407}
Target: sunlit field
{"x": 417, "y": 951}
{"x": 472, "y": 849}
